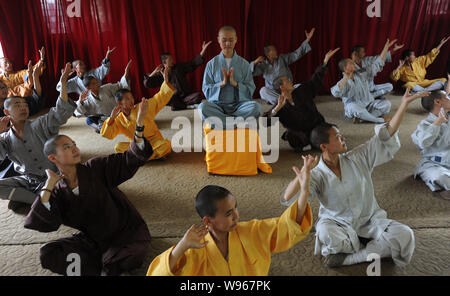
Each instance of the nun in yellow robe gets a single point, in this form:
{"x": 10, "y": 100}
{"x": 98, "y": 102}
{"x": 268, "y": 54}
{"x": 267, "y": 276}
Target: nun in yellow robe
{"x": 250, "y": 246}
{"x": 126, "y": 125}
{"x": 414, "y": 75}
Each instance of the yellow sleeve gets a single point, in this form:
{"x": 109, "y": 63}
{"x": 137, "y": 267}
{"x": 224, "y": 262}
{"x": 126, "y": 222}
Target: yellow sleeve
{"x": 18, "y": 86}
{"x": 278, "y": 234}
{"x": 161, "y": 99}
{"x": 110, "y": 131}
{"x": 428, "y": 59}
{"x": 396, "y": 76}
{"x": 187, "y": 265}
{"x": 160, "y": 265}
{"x": 17, "y": 78}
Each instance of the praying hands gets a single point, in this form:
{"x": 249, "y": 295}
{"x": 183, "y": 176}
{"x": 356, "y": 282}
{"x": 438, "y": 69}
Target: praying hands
{"x": 228, "y": 77}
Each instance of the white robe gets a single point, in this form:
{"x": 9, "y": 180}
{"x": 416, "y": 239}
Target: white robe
{"x": 434, "y": 143}
{"x": 357, "y": 96}
{"x": 350, "y": 203}
{"x": 105, "y": 103}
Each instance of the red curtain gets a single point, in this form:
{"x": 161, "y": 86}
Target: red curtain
{"x": 143, "y": 29}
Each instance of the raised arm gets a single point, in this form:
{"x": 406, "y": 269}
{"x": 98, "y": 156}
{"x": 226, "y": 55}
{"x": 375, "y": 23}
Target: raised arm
{"x": 443, "y": 41}
{"x": 154, "y": 79}
{"x": 386, "y": 48}
{"x": 427, "y": 134}
{"x": 163, "y": 96}
{"x": 303, "y": 178}
{"x": 316, "y": 82}
{"x": 394, "y": 124}
{"x": 301, "y": 182}
{"x": 447, "y": 89}
{"x": 45, "y": 215}
{"x": 192, "y": 239}
{"x": 257, "y": 67}
{"x": 341, "y": 88}
{"x": 110, "y": 129}
{"x": 120, "y": 167}
{"x": 301, "y": 51}
{"x": 64, "y": 76}
{"x": 396, "y": 74}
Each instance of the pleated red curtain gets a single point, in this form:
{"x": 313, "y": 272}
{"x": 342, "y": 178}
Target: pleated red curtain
{"x": 143, "y": 29}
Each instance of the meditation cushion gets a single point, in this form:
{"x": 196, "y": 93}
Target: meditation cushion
{"x": 234, "y": 152}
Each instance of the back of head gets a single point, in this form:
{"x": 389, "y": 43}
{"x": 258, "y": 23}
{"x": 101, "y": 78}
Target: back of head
{"x": 87, "y": 80}
{"x": 321, "y": 134}
{"x": 51, "y": 144}
{"x": 428, "y": 101}
{"x": 207, "y": 198}
{"x": 357, "y": 48}
{"x": 407, "y": 53}
{"x": 342, "y": 64}
{"x": 164, "y": 56}
{"x": 118, "y": 96}
{"x": 267, "y": 48}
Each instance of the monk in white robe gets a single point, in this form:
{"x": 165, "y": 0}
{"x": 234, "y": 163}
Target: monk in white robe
{"x": 432, "y": 137}
{"x": 348, "y": 209}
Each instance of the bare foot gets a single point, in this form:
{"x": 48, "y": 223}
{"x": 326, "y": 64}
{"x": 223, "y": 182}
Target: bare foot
{"x": 356, "y": 120}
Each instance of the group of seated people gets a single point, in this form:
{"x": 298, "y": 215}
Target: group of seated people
{"x": 43, "y": 168}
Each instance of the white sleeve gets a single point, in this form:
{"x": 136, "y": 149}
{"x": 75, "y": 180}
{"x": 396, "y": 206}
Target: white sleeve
{"x": 47, "y": 205}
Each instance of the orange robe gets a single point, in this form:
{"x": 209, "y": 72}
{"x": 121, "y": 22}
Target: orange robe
{"x": 416, "y": 75}
{"x": 127, "y": 127}
{"x": 17, "y": 86}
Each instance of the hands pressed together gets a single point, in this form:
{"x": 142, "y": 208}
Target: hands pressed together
{"x": 228, "y": 77}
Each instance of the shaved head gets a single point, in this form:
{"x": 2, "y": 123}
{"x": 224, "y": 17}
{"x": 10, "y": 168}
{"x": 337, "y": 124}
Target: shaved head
{"x": 227, "y": 29}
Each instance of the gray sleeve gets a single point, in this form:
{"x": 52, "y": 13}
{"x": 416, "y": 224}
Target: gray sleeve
{"x": 257, "y": 70}
{"x": 50, "y": 123}
{"x": 112, "y": 88}
{"x": 339, "y": 93}
{"x": 375, "y": 67}
{"x": 71, "y": 85}
{"x": 101, "y": 72}
{"x": 296, "y": 55}
{"x": 87, "y": 108}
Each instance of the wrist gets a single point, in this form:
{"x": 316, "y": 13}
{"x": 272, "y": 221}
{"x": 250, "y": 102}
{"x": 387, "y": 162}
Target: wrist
{"x": 140, "y": 127}
{"x": 183, "y": 246}
{"x": 50, "y": 184}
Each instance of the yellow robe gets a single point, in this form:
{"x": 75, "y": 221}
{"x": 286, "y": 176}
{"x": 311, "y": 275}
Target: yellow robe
{"x": 121, "y": 125}
{"x": 17, "y": 86}
{"x": 416, "y": 75}
{"x": 250, "y": 247}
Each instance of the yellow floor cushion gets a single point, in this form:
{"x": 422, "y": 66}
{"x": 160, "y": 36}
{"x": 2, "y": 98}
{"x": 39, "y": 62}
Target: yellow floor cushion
{"x": 234, "y": 152}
